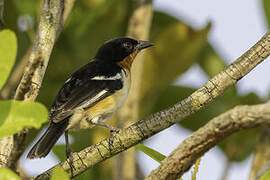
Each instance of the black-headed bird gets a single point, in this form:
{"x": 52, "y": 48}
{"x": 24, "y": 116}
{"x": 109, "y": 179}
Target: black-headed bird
{"x": 92, "y": 94}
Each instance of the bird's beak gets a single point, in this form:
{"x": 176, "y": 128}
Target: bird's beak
{"x": 143, "y": 45}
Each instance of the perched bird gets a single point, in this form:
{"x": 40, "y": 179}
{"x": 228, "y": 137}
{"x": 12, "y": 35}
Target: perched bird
{"x": 92, "y": 94}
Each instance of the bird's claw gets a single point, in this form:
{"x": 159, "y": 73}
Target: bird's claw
{"x": 113, "y": 131}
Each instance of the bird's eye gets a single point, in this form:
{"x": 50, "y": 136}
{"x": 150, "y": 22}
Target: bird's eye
{"x": 128, "y": 46}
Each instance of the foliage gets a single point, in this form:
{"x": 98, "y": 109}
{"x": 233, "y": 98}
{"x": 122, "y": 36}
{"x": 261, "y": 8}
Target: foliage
{"x": 157, "y": 156}
{"x": 196, "y": 169}
{"x": 266, "y": 6}
{"x": 8, "y": 49}
{"x": 266, "y": 176}
{"x": 16, "y": 115}
{"x": 7, "y": 174}
{"x": 59, "y": 173}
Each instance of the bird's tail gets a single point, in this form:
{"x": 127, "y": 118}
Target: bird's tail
{"x": 48, "y": 140}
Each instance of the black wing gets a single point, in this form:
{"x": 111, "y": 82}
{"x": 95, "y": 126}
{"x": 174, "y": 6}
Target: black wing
{"x": 81, "y": 90}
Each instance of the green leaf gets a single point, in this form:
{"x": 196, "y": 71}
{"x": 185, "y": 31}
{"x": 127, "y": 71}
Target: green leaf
{"x": 266, "y": 6}
{"x": 157, "y": 156}
{"x": 7, "y": 174}
{"x": 266, "y": 176}
{"x": 194, "y": 173}
{"x": 59, "y": 173}
{"x": 16, "y": 115}
{"x": 8, "y": 51}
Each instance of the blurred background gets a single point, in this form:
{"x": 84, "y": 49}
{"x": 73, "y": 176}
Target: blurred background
{"x": 194, "y": 40}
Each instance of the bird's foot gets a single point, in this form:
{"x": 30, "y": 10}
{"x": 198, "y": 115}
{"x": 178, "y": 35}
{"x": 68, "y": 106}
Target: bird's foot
{"x": 69, "y": 154}
{"x": 113, "y": 131}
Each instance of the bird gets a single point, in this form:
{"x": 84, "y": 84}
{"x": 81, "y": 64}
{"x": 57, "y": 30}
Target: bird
{"x": 92, "y": 94}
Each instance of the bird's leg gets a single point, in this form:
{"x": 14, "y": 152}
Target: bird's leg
{"x": 96, "y": 121}
{"x": 68, "y": 153}
{"x": 113, "y": 130}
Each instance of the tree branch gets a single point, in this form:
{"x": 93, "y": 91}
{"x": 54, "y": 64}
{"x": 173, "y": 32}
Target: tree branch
{"x": 159, "y": 121}
{"x": 181, "y": 159}
{"x": 50, "y": 26}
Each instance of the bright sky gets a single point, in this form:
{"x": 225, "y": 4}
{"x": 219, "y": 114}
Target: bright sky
{"x": 237, "y": 25}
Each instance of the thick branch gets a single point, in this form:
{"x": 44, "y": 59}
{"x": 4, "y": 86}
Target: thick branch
{"x": 50, "y": 26}
{"x": 181, "y": 159}
{"x": 157, "y": 122}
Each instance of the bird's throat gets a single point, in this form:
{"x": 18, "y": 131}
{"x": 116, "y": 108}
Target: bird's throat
{"x": 127, "y": 62}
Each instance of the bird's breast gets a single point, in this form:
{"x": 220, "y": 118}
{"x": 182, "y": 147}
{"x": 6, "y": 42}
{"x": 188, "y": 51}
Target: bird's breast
{"x": 104, "y": 109}
{"x": 109, "y": 105}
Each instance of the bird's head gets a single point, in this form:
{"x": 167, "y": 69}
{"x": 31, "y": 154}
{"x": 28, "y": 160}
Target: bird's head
{"x": 121, "y": 50}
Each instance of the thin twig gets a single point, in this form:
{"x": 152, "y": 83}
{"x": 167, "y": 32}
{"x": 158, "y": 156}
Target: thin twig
{"x": 157, "y": 122}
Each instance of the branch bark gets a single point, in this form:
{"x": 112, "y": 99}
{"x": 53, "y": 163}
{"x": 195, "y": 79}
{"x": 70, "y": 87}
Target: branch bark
{"x": 138, "y": 28}
{"x": 181, "y": 159}
{"x": 159, "y": 121}
{"x": 50, "y": 26}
